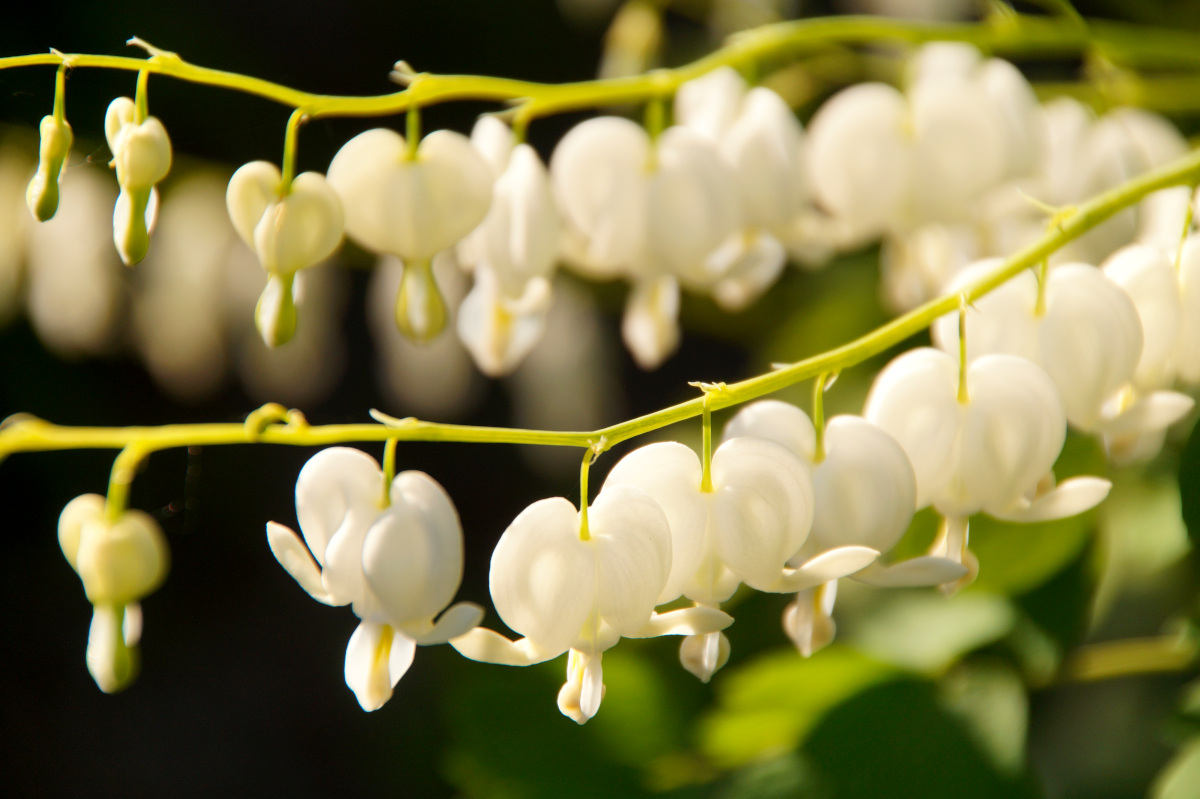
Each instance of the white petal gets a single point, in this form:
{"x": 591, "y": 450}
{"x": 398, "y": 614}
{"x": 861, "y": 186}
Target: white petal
{"x": 710, "y": 104}
{"x": 494, "y": 140}
{"x": 252, "y": 188}
{"x": 497, "y": 337}
{"x": 926, "y": 570}
{"x": 1152, "y": 412}
{"x": 650, "y": 327}
{"x": 458, "y": 620}
{"x": 704, "y": 655}
{"x": 296, "y": 560}
{"x": 487, "y": 646}
{"x": 521, "y": 234}
{"x": 828, "y": 565}
{"x": 698, "y": 620}
{"x": 543, "y": 578}
{"x": 1187, "y": 347}
{"x": 78, "y": 512}
{"x": 1153, "y": 285}
{"x": 1001, "y": 321}
{"x": 777, "y": 421}
{"x": 1069, "y": 498}
{"x": 670, "y": 474}
{"x": 864, "y": 490}
{"x": 300, "y": 229}
{"x": 764, "y": 146}
{"x": 400, "y": 657}
{"x": 632, "y": 538}
{"x": 915, "y": 400}
{"x": 747, "y": 271}
{"x": 368, "y": 668}
{"x": 762, "y": 508}
{"x": 593, "y": 685}
{"x": 412, "y": 555}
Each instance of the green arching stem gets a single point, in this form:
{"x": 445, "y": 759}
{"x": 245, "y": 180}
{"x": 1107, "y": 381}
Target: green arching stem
{"x": 27, "y": 434}
{"x": 389, "y": 470}
{"x": 963, "y": 395}
{"x": 1131, "y": 45}
{"x": 655, "y": 120}
{"x": 289, "y": 150}
{"x": 141, "y": 99}
{"x": 60, "y": 94}
{"x": 1112, "y": 659}
{"x": 818, "y": 416}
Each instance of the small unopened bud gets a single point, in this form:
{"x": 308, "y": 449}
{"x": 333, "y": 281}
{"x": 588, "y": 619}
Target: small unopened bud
{"x": 275, "y": 314}
{"x": 420, "y": 309}
{"x": 121, "y": 562}
{"x": 42, "y": 194}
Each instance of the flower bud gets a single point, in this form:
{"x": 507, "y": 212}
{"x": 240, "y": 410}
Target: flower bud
{"x": 420, "y": 310}
{"x": 121, "y": 562}
{"x": 275, "y": 314}
{"x": 142, "y": 157}
{"x": 42, "y": 194}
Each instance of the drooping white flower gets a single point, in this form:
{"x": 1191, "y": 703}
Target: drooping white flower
{"x": 565, "y": 587}
{"x": 650, "y": 211}
{"x": 991, "y": 450}
{"x": 864, "y": 495}
{"x": 142, "y": 157}
{"x": 119, "y": 563}
{"x": 1087, "y": 337}
{"x": 395, "y": 557}
{"x": 1187, "y": 346}
{"x": 499, "y": 330}
{"x": 755, "y": 518}
{"x": 288, "y": 231}
{"x": 1150, "y": 280}
{"x": 412, "y": 208}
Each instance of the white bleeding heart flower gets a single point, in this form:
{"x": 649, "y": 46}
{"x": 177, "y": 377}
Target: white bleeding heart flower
{"x": 519, "y": 237}
{"x": 499, "y": 330}
{"x": 864, "y": 495}
{"x": 1151, "y": 281}
{"x": 142, "y": 157}
{"x": 1187, "y": 348}
{"x": 711, "y": 103}
{"x": 495, "y": 142}
{"x": 119, "y": 563}
{"x": 288, "y": 231}
{"x": 755, "y": 518}
{"x": 988, "y": 451}
{"x": 747, "y": 264}
{"x": 414, "y": 208}
{"x": 396, "y": 557}
{"x": 566, "y": 587}
{"x": 1087, "y": 338}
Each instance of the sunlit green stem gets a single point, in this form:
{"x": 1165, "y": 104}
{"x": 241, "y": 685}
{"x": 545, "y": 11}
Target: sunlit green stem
{"x": 412, "y": 125}
{"x": 389, "y": 470}
{"x": 818, "y": 416}
{"x": 963, "y": 395}
{"x": 1039, "y": 306}
{"x": 141, "y": 100}
{"x": 60, "y": 94}
{"x": 588, "y": 457}
{"x": 1112, "y": 659}
{"x": 124, "y": 469}
{"x": 289, "y": 150}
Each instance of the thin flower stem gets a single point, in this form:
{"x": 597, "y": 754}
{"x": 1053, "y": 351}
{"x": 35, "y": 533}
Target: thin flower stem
{"x": 389, "y": 470}
{"x": 289, "y": 150}
{"x": 588, "y": 457}
{"x": 818, "y": 416}
{"x": 963, "y": 395}
{"x": 22, "y": 434}
{"x": 124, "y": 469}
{"x": 141, "y": 98}
{"x": 60, "y": 94}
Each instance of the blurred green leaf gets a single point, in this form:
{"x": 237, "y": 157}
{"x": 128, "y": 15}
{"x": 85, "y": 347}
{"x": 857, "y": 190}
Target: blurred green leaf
{"x": 1189, "y": 485}
{"x": 893, "y": 740}
{"x": 923, "y": 631}
{"x": 989, "y": 699}
{"x": 788, "y": 776}
{"x": 919, "y": 537}
{"x": 1181, "y": 778}
{"x": 1062, "y": 606}
{"x": 767, "y": 706}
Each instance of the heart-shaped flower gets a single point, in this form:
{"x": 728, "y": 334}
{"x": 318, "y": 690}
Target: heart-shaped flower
{"x": 568, "y": 587}
{"x": 119, "y": 563}
{"x": 54, "y": 146}
{"x": 413, "y": 208}
{"x": 756, "y": 517}
{"x": 864, "y": 495}
{"x": 142, "y": 157}
{"x": 288, "y": 230}
{"x": 497, "y": 329}
{"x": 395, "y": 557}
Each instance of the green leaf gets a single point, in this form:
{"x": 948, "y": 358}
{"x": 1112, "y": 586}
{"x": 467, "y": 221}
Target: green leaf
{"x": 1189, "y": 485}
{"x": 893, "y": 740}
{"x": 767, "y": 706}
{"x": 1181, "y": 778}
{"x": 989, "y": 699}
{"x": 926, "y": 632}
